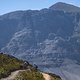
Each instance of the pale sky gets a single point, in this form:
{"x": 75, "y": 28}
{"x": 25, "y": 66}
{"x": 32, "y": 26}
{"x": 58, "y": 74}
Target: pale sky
{"x": 13, "y": 5}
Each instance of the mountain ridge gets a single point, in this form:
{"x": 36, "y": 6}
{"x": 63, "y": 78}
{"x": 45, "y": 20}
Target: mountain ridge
{"x": 52, "y": 6}
{"x": 65, "y": 7}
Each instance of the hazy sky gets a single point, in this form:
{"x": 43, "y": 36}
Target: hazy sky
{"x": 13, "y": 5}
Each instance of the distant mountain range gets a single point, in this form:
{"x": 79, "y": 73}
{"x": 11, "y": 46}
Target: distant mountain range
{"x": 49, "y": 37}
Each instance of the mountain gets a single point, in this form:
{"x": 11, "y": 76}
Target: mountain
{"x": 11, "y": 65}
{"x": 47, "y": 37}
{"x": 65, "y": 7}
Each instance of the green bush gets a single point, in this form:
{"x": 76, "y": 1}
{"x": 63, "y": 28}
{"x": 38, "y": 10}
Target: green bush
{"x": 8, "y": 64}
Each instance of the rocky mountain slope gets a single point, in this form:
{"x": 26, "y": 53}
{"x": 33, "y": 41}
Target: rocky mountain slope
{"x": 47, "y": 37}
{"x": 65, "y": 7}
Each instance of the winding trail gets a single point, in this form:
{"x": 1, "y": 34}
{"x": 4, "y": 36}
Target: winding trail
{"x": 13, "y": 75}
{"x": 46, "y": 76}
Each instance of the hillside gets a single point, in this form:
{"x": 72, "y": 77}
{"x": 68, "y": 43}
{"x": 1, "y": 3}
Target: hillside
{"x": 10, "y": 65}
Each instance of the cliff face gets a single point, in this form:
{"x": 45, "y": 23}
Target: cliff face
{"x": 46, "y": 37}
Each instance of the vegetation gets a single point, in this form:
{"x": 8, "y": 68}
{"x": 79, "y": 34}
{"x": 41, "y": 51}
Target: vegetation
{"x": 34, "y": 75}
{"x": 8, "y": 64}
{"x": 29, "y": 75}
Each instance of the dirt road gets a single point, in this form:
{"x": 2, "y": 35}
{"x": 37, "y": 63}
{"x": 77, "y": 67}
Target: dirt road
{"x": 46, "y": 76}
{"x": 12, "y": 76}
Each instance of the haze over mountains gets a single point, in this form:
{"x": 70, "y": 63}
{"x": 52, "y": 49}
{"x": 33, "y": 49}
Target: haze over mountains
{"x": 49, "y": 37}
